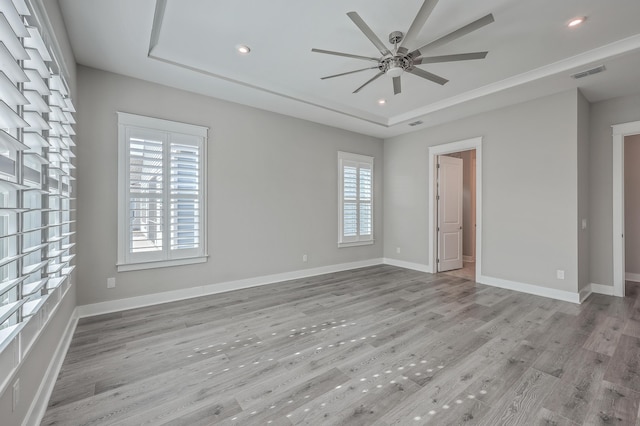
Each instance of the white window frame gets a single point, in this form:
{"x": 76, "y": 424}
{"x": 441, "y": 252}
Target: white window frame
{"x": 344, "y": 159}
{"x": 128, "y": 123}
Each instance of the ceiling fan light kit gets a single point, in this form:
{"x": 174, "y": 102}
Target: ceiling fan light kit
{"x": 401, "y": 59}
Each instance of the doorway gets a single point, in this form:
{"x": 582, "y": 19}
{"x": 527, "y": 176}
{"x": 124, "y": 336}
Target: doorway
{"x": 620, "y": 133}
{"x": 443, "y": 240}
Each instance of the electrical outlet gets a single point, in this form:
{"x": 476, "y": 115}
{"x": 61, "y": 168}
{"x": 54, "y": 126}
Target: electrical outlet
{"x": 560, "y": 274}
{"x": 398, "y": 250}
{"x": 16, "y": 395}
{"x": 111, "y": 282}
{"x": 304, "y": 258}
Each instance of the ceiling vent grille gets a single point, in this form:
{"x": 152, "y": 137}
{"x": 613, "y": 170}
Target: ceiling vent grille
{"x": 416, "y": 123}
{"x": 586, "y": 73}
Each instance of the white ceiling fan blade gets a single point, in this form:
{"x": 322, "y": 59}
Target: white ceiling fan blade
{"x": 450, "y": 58}
{"x": 397, "y": 85}
{"x": 369, "y": 81}
{"x": 429, "y": 76}
{"x": 368, "y": 33}
{"x": 417, "y": 24}
{"x": 349, "y": 72}
{"x": 475, "y": 25}
{"x": 346, "y": 55}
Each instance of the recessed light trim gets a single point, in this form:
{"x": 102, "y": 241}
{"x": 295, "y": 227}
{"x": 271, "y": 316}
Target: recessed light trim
{"x": 576, "y": 21}
{"x": 382, "y": 101}
{"x": 243, "y": 49}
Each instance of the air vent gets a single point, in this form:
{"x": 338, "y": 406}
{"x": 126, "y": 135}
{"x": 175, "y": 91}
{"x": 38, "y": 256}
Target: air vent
{"x": 586, "y": 73}
{"x": 416, "y": 123}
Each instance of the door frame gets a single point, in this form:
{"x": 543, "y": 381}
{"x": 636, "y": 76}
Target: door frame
{"x": 620, "y": 131}
{"x": 448, "y": 148}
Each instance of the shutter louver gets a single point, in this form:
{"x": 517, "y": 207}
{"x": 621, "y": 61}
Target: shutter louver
{"x": 350, "y": 204}
{"x": 36, "y": 223}
{"x": 184, "y": 197}
{"x": 146, "y": 189}
{"x": 365, "y": 216}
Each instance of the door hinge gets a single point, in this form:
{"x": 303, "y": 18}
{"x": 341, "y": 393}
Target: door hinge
{"x": 438, "y": 165}
{"x": 437, "y": 198}
{"x": 437, "y": 260}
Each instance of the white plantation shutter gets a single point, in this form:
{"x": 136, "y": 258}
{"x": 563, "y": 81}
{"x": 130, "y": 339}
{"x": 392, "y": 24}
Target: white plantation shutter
{"x": 355, "y": 199}
{"x": 161, "y": 192}
{"x": 185, "y": 195}
{"x": 36, "y": 178}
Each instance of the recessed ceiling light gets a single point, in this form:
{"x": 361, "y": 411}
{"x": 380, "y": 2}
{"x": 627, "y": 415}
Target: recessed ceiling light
{"x": 576, "y": 21}
{"x": 243, "y": 49}
{"x": 382, "y": 101}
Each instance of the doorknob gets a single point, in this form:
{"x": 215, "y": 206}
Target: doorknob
{"x": 461, "y": 228}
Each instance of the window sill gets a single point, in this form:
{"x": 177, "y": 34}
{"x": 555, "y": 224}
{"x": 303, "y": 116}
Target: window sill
{"x": 124, "y": 267}
{"x": 356, "y": 244}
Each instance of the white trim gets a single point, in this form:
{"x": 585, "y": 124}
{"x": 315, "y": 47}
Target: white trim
{"x": 468, "y": 259}
{"x": 408, "y": 265}
{"x": 619, "y": 133}
{"x": 447, "y": 148}
{"x": 630, "y": 276}
{"x": 160, "y": 264}
{"x": 585, "y": 293}
{"x": 359, "y": 162}
{"x": 356, "y": 244}
{"x": 188, "y": 293}
{"x": 166, "y": 131}
{"x": 552, "y": 293}
{"x": 161, "y": 124}
{"x": 39, "y": 404}
{"x": 602, "y": 289}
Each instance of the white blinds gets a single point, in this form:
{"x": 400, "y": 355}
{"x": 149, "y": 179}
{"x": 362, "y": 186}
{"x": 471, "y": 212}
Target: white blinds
{"x": 161, "y": 216}
{"x": 36, "y": 182}
{"x": 356, "y": 198}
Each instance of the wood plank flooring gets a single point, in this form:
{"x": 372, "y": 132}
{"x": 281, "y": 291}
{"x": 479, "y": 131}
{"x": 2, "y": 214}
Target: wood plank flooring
{"x": 373, "y": 346}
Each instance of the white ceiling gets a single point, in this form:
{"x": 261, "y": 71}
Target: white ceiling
{"x": 532, "y": 53}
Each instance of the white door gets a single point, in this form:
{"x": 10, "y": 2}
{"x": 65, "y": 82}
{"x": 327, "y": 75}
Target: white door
{"x": 449, "y": 213}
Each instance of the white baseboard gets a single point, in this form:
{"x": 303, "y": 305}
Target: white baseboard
{"x": 188, "y": 293}
{"x": 39, "y": 404}
{"x": 630, "y": 276}
{"x": 602, "y": 289}
{"x": 408, "y": 265}
{"x": 468, "y": 258}
{"x": 552, "y": 293}
{"x": 585, "y": 293}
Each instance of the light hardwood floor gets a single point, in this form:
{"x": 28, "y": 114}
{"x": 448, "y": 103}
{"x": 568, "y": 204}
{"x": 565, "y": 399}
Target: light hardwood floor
{"x": 468, "y": 271}
{"x": 374, "y": 346}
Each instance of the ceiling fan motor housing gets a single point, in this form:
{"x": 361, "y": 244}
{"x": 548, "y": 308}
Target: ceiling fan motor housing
{"x": 401, "y": 62}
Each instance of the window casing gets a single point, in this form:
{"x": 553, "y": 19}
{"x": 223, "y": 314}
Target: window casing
{"x": 355, "y": 184}
{"x": 37, "y": 215}
{"x": 161, "y": 193}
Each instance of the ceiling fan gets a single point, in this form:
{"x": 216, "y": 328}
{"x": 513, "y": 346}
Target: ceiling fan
{"x": 395, "y": 63}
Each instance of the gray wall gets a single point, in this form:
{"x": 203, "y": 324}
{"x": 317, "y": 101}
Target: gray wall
{"x": 632, "y": 203}
{"x": 35, "y": 364}
{"x": 601, "y": 117}
{"x": 583, "y": 191}
{"x": 529, "y": 207}
{"x": 272, "y": 189}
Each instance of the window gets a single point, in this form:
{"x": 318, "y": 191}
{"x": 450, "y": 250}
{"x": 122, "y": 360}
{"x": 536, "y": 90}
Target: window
{"x": 161, "y": 193}
{"x": 36, "y": 179}
{"x": 355, "y": 199}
